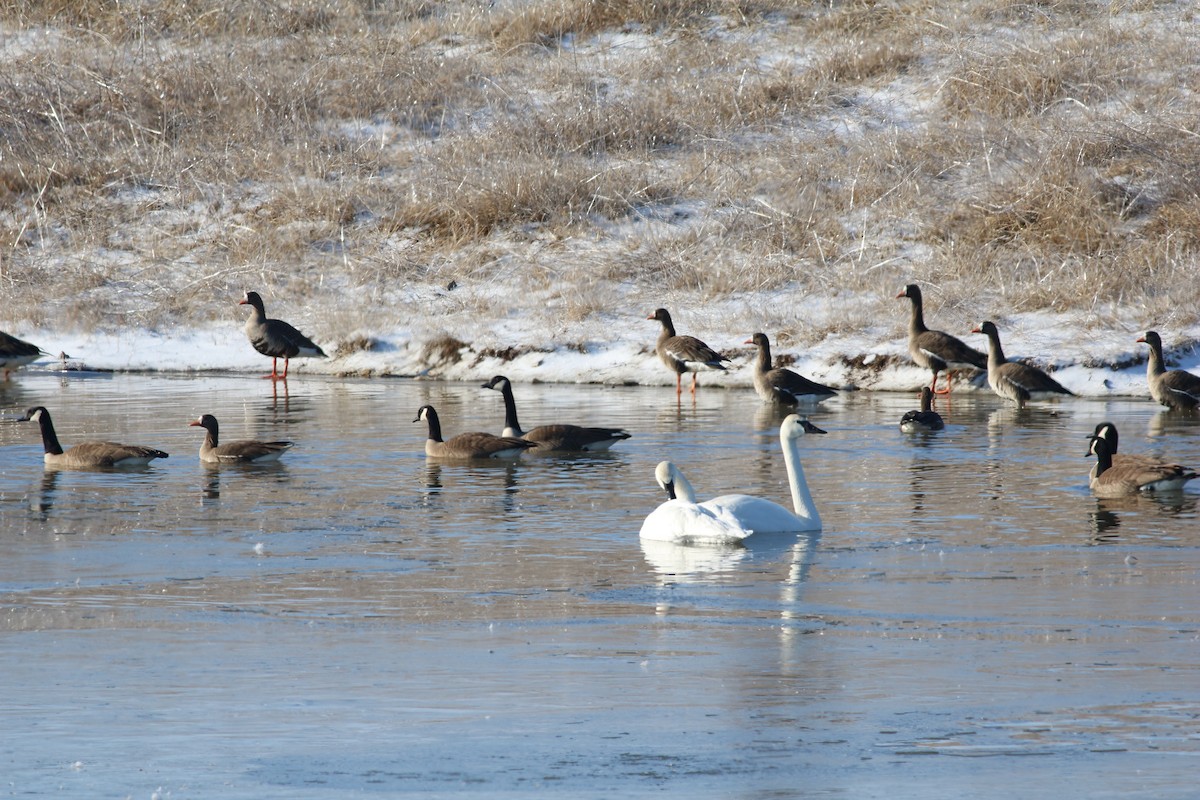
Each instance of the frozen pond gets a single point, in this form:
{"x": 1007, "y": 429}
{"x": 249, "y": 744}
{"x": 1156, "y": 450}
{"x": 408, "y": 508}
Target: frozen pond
{"x": 355, "y": 620}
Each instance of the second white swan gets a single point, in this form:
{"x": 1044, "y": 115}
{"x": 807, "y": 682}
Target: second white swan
{"x": 733, "y": 517}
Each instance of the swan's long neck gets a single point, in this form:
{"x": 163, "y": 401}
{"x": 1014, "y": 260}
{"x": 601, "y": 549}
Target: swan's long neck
{"x": 683, "y": 488}
{"x": 802, "y": 502}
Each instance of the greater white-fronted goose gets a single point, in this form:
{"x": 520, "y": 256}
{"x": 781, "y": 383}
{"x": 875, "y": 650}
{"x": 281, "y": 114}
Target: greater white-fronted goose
{"x": 88, "y": 454}
{"x": 16, "y": 353}
{"x": 684, "y": 353}
{"x": 937, "y": 350}
{"x": 780, "y": 385}
{"x": 244, "y": 451}
{"x": 1013, "y": 380}
{"x": 1119, "y": 480}
{"x": 732, "y": 517}
{"x": 467, "y": 445}
{"x": 552, "y": 438}
{"x": 924, "y": 420}
{"x": 1174, "y": 388}
{"x": 276, "y": 338}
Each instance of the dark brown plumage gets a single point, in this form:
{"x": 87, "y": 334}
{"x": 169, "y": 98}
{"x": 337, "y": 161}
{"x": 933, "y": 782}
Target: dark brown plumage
{"x": 684, "y": 353}
{"x": 779, "y": 384}
{"x": 924, "y": 420}
{"x": 87, "y": 454}
{"x": 1013, "y": 380}
{"x": 16, "y": 353}
{"x": 553, "y": 438}
{"x": 1173, "y": 388}
{"x": 276, "y": 338}
{"x": 937, "y": 350}
{"x": 245, "y": 451}
{"x": 1118, "y": 480}
{"x": 467, "y": 445}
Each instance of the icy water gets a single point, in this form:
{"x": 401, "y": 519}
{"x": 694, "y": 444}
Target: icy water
{"x": 359, "y": 621}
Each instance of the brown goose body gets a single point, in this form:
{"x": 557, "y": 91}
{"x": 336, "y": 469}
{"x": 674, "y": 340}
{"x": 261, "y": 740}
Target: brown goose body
{"x": 276, "y": 338}
{"x": 467, "y": 445}
{"x": 1174, "y": 388}
{"x": 88, "y": 455}
{"x": 1107, "y": 432}
{"x": 16, "y": 353}
{"x": 1120, "y": 480}
{"x": 684, "y": 353}
{"x": 780, "y": 385}
{"x": 924, "y": 420}
{"x": 937, "y": 351}
{"x": 1012, "y": 380}
{"x": 244, "y": 451}
{"x": 553, "y": 438}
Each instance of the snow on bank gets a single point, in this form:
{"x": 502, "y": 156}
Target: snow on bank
{"x": 1089, "y": 362}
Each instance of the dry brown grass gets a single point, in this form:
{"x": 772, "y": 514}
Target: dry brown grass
{"x": 159, "y": 157}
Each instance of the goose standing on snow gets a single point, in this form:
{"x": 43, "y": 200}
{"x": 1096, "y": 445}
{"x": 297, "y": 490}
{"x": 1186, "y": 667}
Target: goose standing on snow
{"x": 88, "y": 454}
{"x": 1120, "y": 480}
{"x": 924, "y": 420}
{"x": 467, "y": 445}
{"x": 1174, "y": 388}
{"x": 1010, "y": 379}
{"x": 244, "y": 451}
{"x": 780, "y": 385}
{"x": 276, "y": 338}
{"x": 684, "y": 353}
{"x": 552, "y": 438}
{"x": 733, "y": 517}
{"x": 16, "y": 353}
{"x": 937, "y": 350}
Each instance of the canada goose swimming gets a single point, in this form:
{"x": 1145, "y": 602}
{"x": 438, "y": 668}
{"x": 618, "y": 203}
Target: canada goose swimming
{"x": 467, "y": 445}
{"x": 552, "y": 438}
{"x": 276, "y": 338}
{"x": 88, "y": 454}
{"x": 924, "y": 420}
{"x": 245, "y": 451}
{"x": 937, "y": 350}
{"x": 1012, "y": 380}
{"x": 684, "y": 353}
{"x": 733, "y": 517}
{"x": 1175, "y": 388}
{"x": 1109, "y": 480}
{"x": 780, "y": 385}
{"x": 16, "y": 353}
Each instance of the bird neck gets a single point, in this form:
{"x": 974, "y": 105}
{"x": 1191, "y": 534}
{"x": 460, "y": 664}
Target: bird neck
{"x": 511, "y": 426}
{"x": 995, "y": 351}
{"x": 1103, "y": 460}
{"x": 435, "y": 425}
{"x": 683, "y": 489}
{"x": 1155, "y": 365}
{"x": 49, "y": 437}
{"x": 802, "y": 502}
{"x": 764, "y": 358}
{"x": 916, "y": 323}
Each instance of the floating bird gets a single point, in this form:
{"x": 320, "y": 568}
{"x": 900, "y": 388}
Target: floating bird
{"x": 276, "y": 338}
{"x": 924, "y": 420}
{"x": 243, "y": 451}
{"x": 1012, "y": 380}
{"x": 467, "y": 445}
{"x": 552, "y": 438}
{"x": 733, "y": 517}
{"x": 780, "y": 385}
{"x": 1107, "y": 432}
{"x": 684, "y": 353}
{"x": 16, "y": 353}
{"x": 1109, "y": 480}
{"x": 88, "y": 454}
{"x": 1173, "y": 388}
{"x": 935, "y": 349}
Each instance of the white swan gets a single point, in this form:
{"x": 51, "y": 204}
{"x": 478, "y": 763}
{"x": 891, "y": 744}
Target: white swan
{"x": 733, "y": 517}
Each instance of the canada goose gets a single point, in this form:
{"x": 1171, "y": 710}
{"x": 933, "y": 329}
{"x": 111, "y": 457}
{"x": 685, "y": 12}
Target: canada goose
{"x": 16, "y": 353}
{"x": 924, "y": 420}
{"x": 276, "y": 338}
{"x": 684, "y": 353}
{"x": 88, "y": 454}
{"x": 1010, "y": 379}
{"x": 467, "y": 445}
{"x": 1108, "y": 432}
{"x": 245, "y": 451}
{"x": 1174, "y": 388}
{"x": 1109, "y": 480}
{"x": 732, "y": 517}
{"x": 781, "y": 385}
{"x": 935, "y": 349}
{"x": 550, "y": 438}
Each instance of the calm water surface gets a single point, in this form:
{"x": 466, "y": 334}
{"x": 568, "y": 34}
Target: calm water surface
{"x": 357, "y": 620}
